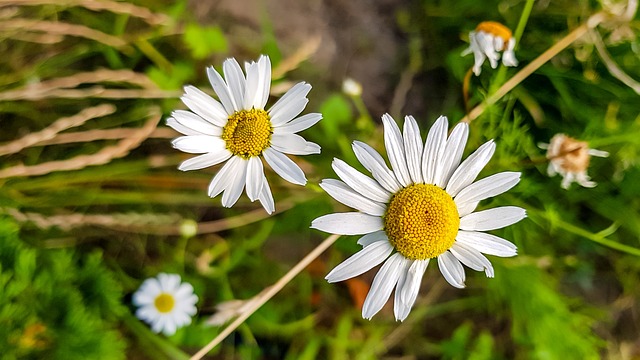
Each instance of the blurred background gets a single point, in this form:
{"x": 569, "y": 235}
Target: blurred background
{"x": 92, "y": 203}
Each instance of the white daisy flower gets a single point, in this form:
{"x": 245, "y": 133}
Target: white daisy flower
{"x": 165, "y": 303}
{"x": 570, "y": 158}
{"x": 238, "y": 130}
{"x": 420, "y": 209}
{"x": 487, "y": 40}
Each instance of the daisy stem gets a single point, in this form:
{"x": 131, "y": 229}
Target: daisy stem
{"x": 534, "y": 65}
{"x": 267, "y": 294}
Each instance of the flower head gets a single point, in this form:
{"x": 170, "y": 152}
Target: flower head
{"x": 487, "y": 40}
{"x": 420, "y": 209}
{"x": 165, "y": 303}
{"x": 570, "y": 158}
{"x": 237, "y": 129}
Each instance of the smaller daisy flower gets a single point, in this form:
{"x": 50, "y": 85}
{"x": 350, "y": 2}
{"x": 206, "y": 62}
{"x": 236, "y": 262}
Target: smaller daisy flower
{"x": 237, "y": 130}
{"x": 421, "y": 209}
{"x": 165, "y": 303}
{"x": 570, "y": 158}
{"x": 487, "y": 40}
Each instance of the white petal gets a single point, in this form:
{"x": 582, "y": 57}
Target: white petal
{"x": 383, "y": 284}
{"x": 467, "y": 208}
{"x": 413, "y": 148}
{"x": 347, "y": 196}
{"x": 195, "y": 122}
{"x": 265, "y": 197}
{"x": 349, "y": 223}
{"x": 255, "y": 178}
{"x": 433, "y": 148}
{"x": 487, "y": 243}
{"x": 372, "y": 161}
{"x": 492, "y": 219}
{"x": 184, "y": 292}
{"x": 393, "y": 143}
{"x": 264, "y": 65}
{"x": 302, "y": 123}
{"x": 205, "y": 160}
{"x": 169, "y": 283}
{"x": 224, "y": 177}
{"x": 410, "y": 288}
{"x": 373, "y": 237}
{"x": 235, "y": 81}
{"x": 169, "y": 328}
{"x": 451, "y": 269}
{"x": 470, "y": 168}
{"x": 221, "y": 89}
{"x": 234, "y": 190}
{"x": 452, "y": 153}
{"x": 359, "y": 182}
{"x": 285, "y": 167}
{"x": 175, "y": 125}
{"x": 472, "y": 258}
{"x": 361, "y": 262}
{"x": 290, "y": 104}
{"x": 204, "y": 105}
{"x": 293, "y": 144}
{"x": 198, "y": 144}
{"x": 399, "y": 308}
{"x": 490, "y": 186}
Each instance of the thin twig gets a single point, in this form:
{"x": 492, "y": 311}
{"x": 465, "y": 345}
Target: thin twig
{"x": 611, "y": 65}
{"x": 591, "y": 23}
{"x": 104, "y": 134}
{"x": 303, "y": 53}
{"x": 97, "y": 92}
{"x": 267, "y": 294}
{"x": 102, "y": 157}
{"x": 59, "y": 125}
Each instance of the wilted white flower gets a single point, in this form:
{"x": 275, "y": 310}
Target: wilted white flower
{"x": 570, "y": 158}
{"x": 487, "y": 40}
{"x": 165, "y": 303}
{"x": 420, "y": 209}
{"x": 238, "y": 130}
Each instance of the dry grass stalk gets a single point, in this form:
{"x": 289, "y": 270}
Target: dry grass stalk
{"x": 70, "y": 221}
{"x": 102, "y": 157}
{"x": 302, "y": 53}
{"x": 97, "y": 92}
{"x": 99, "y": 5}
{"x": 60, "y": 28}
{"x": 59, "y": 125}
{"x": 611, "y": 65}
{"x": 104, "y": 134}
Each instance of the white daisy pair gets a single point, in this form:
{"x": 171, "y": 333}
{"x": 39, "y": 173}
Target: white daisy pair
{"x": 238, "y": 130}
{"x": 422, "y": 208}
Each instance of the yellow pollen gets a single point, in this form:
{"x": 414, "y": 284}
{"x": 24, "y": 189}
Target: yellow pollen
{"x": 248, "y": 132}
{"x": 421, "y": 221}
{"x": 495, "y": 29}
{"x": 164, "y": 302}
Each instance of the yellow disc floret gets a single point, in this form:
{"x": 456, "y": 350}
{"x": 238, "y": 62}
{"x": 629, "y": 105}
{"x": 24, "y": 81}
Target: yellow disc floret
{"x": 421, "y": 221}
{"x": 495, "y": 29}
{"x": 164, "y": 302}
{"x": 248, "y": 132}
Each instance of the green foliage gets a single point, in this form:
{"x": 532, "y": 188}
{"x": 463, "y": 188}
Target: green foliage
{"x": 56, "y": 304}
{"x": 204, "y": 40}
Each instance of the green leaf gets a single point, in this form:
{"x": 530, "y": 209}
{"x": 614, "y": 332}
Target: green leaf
{"x": 204, "y": 41}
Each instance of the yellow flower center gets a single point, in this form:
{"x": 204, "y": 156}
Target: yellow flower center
{"x": 421, "y": 221}
{"x": 248, "y": 132}
{"x": 495, "y": 29}
{"x": 164, "y": 302}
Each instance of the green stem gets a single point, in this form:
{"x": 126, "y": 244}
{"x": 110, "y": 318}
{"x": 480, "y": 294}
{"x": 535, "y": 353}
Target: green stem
{"x": 153, "y": 343}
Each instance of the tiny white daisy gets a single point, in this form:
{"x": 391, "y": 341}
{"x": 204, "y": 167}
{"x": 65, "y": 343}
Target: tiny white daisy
{"x": 422, "y": 208}
{"x": 165, "y": 303}
{"x": 486, "y": 41}
{"x": 570, "y": 158}
{"x": 238, "y": 129}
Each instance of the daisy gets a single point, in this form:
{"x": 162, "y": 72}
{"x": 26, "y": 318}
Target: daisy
{"x": 237, "y": 130}
{"x": 165, "y": 303}
{"x": 487, "y": 40}
{"x": 420, "y": 209}
{"x": 570, "y": 158}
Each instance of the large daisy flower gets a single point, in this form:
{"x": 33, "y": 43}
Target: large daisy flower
{"x": 165, "y": 303}
{"x": 238, "y": 130}
{"x": 486, "y": 41}
{"x": 420, "y": 209}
